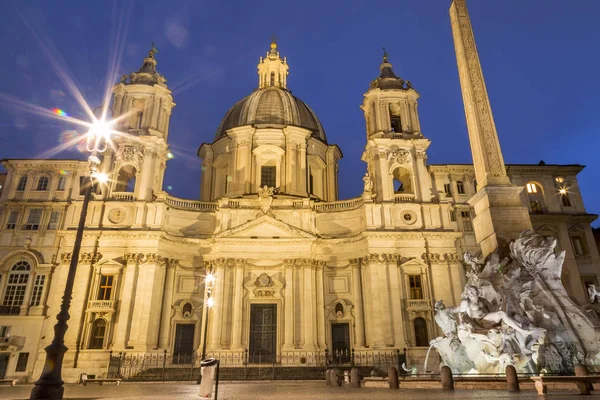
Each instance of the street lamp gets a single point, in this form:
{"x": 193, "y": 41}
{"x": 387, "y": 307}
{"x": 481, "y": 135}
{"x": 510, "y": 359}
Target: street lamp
{"x": 50, "y": 384}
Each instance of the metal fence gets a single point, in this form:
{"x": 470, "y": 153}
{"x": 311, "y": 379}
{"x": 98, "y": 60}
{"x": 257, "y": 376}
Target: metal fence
{"x": 242, "y": 365}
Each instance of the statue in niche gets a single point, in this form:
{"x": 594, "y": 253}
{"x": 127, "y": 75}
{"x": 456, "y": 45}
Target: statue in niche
{"x": 368, "y": 183}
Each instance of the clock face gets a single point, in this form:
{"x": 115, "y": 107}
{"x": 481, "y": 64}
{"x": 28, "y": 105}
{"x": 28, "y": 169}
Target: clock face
{"x": 117, "y": 215}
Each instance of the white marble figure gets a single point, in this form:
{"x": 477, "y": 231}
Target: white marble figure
{"x": 472, "y": 306}
{"x": 594, "y": 295}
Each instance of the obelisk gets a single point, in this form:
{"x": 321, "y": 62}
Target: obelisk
{"x": 499, "y": 214}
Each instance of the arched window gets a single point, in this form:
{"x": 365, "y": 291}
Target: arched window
{"x": 536, "y": 197}
{"x": 396, "y": 123}
{"x": 22, "y": 183}
{"x": 126, "y": 179}
{"x": 97, "y": 334}
{"x": 16, "y": 285}
{"x": 43, "y": 183}
{"x": 420, "y": 332}
{"x": 402, "y": 181}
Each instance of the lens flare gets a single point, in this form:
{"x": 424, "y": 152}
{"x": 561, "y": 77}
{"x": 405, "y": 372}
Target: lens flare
{"x": 59, "y": 112}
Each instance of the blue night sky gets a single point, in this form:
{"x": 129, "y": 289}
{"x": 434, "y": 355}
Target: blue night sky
{"x": 539, "y": 57}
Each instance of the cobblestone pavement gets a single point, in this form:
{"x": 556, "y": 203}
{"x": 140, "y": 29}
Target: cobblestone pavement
{"x": 273, "y": 390}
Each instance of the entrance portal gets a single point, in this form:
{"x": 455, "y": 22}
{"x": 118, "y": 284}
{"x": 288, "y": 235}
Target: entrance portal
{"x": 4, "y": 357}
{"x": 263, "y": 333}
{"x": 340, "y": 343}
{"x": 184, "y": 344}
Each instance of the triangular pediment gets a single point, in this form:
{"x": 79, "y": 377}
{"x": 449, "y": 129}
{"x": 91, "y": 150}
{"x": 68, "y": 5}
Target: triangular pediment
{"x": 413, "y": 262}
{"x": 546, "y": 228}
{"x": 265, "y": 227}
{"x": 109, "y": 262}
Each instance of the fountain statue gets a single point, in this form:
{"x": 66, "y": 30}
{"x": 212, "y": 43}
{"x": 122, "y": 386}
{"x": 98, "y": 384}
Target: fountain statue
{"x": 517, "y": 312}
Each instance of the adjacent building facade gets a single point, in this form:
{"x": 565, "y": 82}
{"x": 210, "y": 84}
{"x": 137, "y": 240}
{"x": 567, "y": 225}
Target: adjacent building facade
{"x": 298, "y": 272}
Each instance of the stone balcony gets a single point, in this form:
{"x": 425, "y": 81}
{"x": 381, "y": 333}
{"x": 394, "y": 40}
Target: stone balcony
{"x": 417, "y": 304}
{"x": 107, "y": 306}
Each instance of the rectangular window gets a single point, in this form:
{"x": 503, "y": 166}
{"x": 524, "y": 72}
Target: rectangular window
{"x": 268, "y": 176}
{"x": 416, "y": 290}
{"x": 448, "y": 189}
{"x": 22, "y": 183}
{"x": 38, "y": 289}
{"x": 466, "y": 220}
{"x": 82, "y": 185}
{"x": 460, "y": 187}
{"x": 43, "y": 183}
{"x": 565, "y": 200}
{"x": 33, "y": 220}
{"x": 311, "y": 183}
{"x": 54, "y": 218}
{"x": 4, "y": 331}
{"x": 12, "y": 220}
{"x": 106, "y": 287}
{"x": 14, "y": 295}
{"x": 453, "y": 216}
{"x": 579, "y": 246}
{"x": 536, "y": 207}
{"x": 22, "y": 362}
{"x": 62, "y": 181}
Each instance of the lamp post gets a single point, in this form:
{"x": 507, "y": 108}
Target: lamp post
{"x": 50, "y": 384}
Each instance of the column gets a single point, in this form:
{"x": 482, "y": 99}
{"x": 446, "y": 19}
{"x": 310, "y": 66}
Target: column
{"x": 396, "y": 304}
{"x": 308, "y": 306}
{"x": 358, "y": 304}
{"x": 165, "y": 325}
{"x": 321, "y": 325}
{"x": 126, "y": 304}
{"x": 238, "y": 313}
{"x": 288, "y": 304}
{"x": 216, "y": 317}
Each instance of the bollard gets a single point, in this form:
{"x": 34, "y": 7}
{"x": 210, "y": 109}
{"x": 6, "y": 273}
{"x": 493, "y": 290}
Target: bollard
{"x": 355, "y": 378}
{"x": 586, "y": 386}
{"x": 393, "y": 378}
{"x": 334, "y": 378}
{"x": 328, "y": 377}
{"x": 447, "y": 380}
{"x": 512, "y": 380}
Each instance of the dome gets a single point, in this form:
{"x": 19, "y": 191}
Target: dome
{"x": 271, "y": 106}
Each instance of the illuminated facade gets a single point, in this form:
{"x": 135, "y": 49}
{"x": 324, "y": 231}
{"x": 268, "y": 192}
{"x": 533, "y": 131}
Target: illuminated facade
{"x": 297, "y": 270}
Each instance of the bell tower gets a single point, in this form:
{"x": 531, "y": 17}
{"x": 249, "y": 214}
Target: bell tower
{"x": 396, "y": 150}
{"x": 143, "y": 104}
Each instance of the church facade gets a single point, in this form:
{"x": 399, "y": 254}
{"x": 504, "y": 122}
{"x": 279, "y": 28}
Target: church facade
{"x": 297, "y": 271}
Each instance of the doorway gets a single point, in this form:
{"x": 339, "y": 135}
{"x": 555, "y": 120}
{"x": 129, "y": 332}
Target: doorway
{"x": 340, "y": 343}
{"x": 263, "y": 333}
{"x": 184, "y": 343}
{"x": 4, "y": 357}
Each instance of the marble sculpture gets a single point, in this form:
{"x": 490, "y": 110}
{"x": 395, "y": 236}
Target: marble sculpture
{"x": 516, "y": 311}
